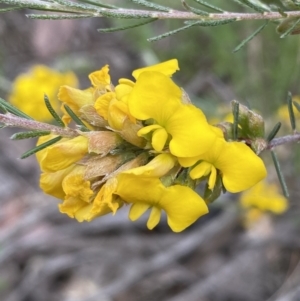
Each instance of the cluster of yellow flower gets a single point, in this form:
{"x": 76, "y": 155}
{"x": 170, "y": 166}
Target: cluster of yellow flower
{"x": 145, "y": 145}
{"x": 33, "y": 85}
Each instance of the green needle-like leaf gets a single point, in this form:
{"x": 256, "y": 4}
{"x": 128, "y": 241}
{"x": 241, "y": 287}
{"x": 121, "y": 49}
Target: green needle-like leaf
{"x": 297, "y": 105}
{"x": 254, "y": 34}
{"x": 52, "y": 112}
{"x": 40, "y": 147}
{"x": 279, "y": 174}
{"x": 291, "y": 29}
{"x": 194, "y": 10}
{"x": 291, "y": 111}
{"x": 75, "y": 118}
{"x": 152, "y": 5}
{"x": 113, "y": 29}
{"x": 30, "y": 134}
{"x": 13, "y": 110}
{"x": 57, "y": 17}
{"x": 274, "y": 132}
{"x": 235, "y": 111}
{"x": 215, "y": 8}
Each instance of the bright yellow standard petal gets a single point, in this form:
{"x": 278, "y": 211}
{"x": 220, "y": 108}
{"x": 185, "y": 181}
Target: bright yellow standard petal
{"x": 167, "y": 68}
{"x": 191, "y": 134}
{"x": 154, "y": 96}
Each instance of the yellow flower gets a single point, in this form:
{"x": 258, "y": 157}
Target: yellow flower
{"x": 113, "y": 106}
{"x": 81, "y": 100}
{"x": 239, "y": 166}
{"x": 156, "y": 97}
{"x": 29, "y": 88}
{"x": 264, "y": 197}
{"x": 182, "y": 205}
{"x": 145, "y": 146}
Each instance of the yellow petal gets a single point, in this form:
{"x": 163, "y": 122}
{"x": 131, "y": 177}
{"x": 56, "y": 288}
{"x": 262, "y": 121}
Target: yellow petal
{"x": 71, "y": 205}
{"x": 183, "y": 207}
{"x": 167, "y": 68}
{"x": 212, "y": 178}
{"x": 201, "y": 170}
{"x": 101, "y": 77}
{"x": 51, "y": 183}
{"x": 75, "y": 98}
{"x": 62, "y": 154}
{"x": 137, "y": 210}
{"x": 102, "y": 104}
{"x": 154, "y": 96}
{"x": 154, "y": 218}
{"x": 74, "y": 184}
{"x": 147, "y": 129}
{"x": 156, "y": 168}
{"x": 159, "y": 139}
{"x": 105, "y": 201}
{"x": 241, "y": 168}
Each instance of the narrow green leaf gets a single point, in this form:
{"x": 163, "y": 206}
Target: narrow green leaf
{"x": 291, "y": 111}
{"x": 291, "y": 29}
{"x": 194, "y": 10}
{"x": 169, "y": 33}
{"x": 116, "y": 15}
{"x": 3, "y": 109}
{"x": 297, "y": 105}
{"x": 235, "y": 111}
{"x": 75, "y": 118}
{"x": 252, "y": 5}
{"x": 2, "y": 126}
{"x": 13, "y": 110}
{"x": 254, "y": 34}
{"x": 52, "y": 111}
{"x": 30, "y": 134}
{"x": 40, "y": 147}
{"x": 279, "y": 174}
{"x": 8, "y": 9}
{"x": 191, "y": 24}
{"x": 99, "y": 3}
{"x": 76, "y": 5}
{"x": 57, "y": 17}
{"x": 201, "y": 2}
{"x": 151, "y": 5}
{"x": 113, "y": 29}
{"x": 274, "y": 132}
{"x": 210, "y": 22}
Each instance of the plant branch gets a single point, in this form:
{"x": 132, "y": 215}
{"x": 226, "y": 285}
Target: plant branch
{"x": 95, "y": 11}
{"x": 284, "y": 140}
{"x": 10, "y": 120}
